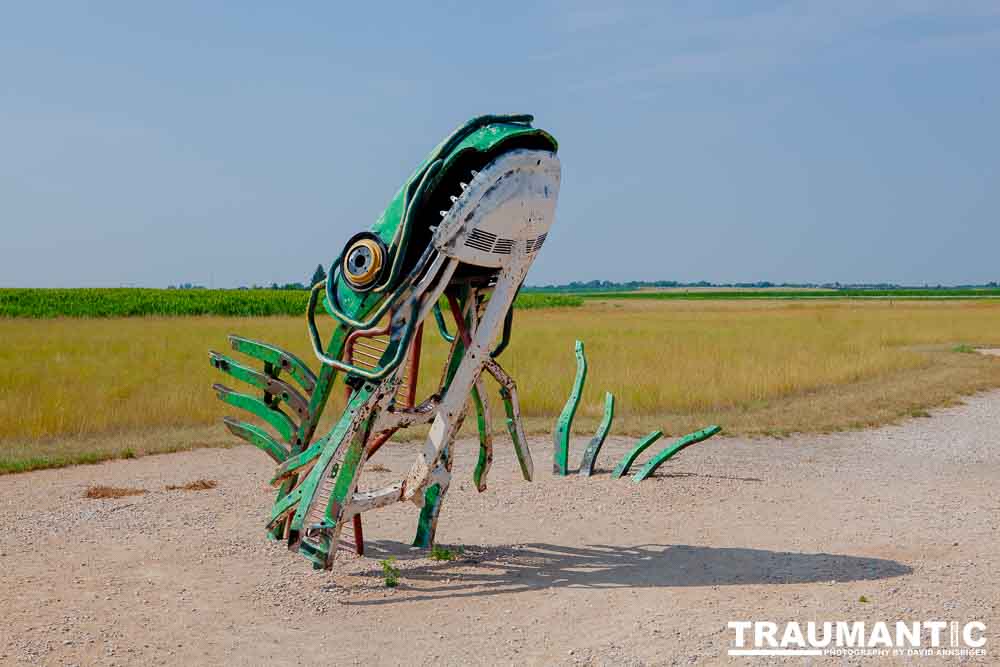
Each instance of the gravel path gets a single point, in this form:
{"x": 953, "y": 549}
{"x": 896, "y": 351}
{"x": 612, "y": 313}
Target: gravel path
{"x": 558, "y": 571}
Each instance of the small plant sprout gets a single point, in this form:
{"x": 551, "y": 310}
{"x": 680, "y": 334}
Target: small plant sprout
{"x": 441, "y": 553}
{"x": 390, "y": 573}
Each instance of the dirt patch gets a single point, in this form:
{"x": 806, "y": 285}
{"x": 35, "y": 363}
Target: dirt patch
{"x": 196, "y": 485}
{"x": 104, "y": 492}
{"x": 899, "y": 523}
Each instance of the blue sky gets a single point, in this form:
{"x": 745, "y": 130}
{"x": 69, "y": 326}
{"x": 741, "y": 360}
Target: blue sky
{"x": 230, "y": 143}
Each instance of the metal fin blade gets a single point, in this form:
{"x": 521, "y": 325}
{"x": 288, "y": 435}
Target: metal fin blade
{"x": 269, "y": 385}
{"x": 257, "y": 437}
{"x": 273, "y": 416}
{"x": 286, "y": 361}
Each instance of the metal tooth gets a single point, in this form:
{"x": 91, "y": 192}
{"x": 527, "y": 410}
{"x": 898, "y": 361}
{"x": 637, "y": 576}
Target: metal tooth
{"x": 453, "y": 199}
{"x": 464, "y": 185}
{"x": 474, "y": 173}
{"x": 443, "y": 213}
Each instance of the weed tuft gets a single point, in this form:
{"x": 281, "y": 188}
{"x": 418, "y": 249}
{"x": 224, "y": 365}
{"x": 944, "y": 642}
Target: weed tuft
{"x": 441, "y": 553}
{"x": 390, "y": 573}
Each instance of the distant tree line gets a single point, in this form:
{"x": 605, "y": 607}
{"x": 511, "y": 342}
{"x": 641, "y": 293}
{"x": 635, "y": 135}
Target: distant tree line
{"x": 318, "y": 275}
{"x": 608, "y": 285}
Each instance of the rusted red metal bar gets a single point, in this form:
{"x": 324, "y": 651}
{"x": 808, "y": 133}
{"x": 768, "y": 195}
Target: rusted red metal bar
{"x": 359, "y": 537}
{"x": 456, "y": 311}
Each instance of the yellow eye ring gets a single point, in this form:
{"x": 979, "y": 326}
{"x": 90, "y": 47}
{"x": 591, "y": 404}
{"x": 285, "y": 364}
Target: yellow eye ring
{"x": 363, "y": 262}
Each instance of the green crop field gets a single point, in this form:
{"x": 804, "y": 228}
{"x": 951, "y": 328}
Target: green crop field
{"x": 137, "y": 302}
{"x": 78, "y": 390}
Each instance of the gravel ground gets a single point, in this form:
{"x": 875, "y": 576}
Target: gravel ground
{"x": 558, "y": 571}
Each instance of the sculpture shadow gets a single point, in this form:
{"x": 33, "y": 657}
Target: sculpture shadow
{"x": 498, "y": 570}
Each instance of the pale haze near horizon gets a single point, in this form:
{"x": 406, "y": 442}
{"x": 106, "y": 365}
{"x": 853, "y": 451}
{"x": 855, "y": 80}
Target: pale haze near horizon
{"x": 235, "y": 144}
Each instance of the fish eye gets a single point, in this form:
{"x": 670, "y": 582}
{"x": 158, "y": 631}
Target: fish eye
{"x": 363, "y": 261}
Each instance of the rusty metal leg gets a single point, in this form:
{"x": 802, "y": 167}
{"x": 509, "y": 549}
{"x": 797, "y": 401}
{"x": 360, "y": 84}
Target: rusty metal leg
{"x": 485, "y": 425}
{"x": 359, "y": 536}
{"x": 508, "y": 392}
{"x": 433, "y": 500}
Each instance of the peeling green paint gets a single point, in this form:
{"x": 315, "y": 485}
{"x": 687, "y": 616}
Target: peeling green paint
{"x": 675, "y": 447}
{"x": 515, "y": 433}
{"x": 564, "y": 424}
{"x": 485, "y": 440}
{"x": 268, "y": 383}
{"x": 257, "y": 437}
{"x": 639, "y": 448}
{"x": 273, "y": 416}
{"x": 427, "y": 513}
{"x": 278, "y": 357}
{"x": 590, "y": 455}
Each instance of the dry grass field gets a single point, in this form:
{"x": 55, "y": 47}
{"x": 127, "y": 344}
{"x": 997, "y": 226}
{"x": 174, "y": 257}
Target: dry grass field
{"x": 760, "y": 367}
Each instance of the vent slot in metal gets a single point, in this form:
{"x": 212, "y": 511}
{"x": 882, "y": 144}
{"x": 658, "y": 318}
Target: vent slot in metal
{"x": 532, "y": 245}
{"x": 481, "y": 240}
{"x": 503, "y": 246}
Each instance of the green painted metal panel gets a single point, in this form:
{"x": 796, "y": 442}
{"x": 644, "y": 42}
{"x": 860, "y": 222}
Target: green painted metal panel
{"x": 273, "y": 416}
{"x": 334, "y": 445}
{"x": 590, "y": 455}
{"x": 324, "y": 385}
{"x": 564, "y": 424}
{"x": 257, "y": 437}
{"x": 296, "y": 461}
{"x": 442, "y": 327}
{"x": 286, "y": 361}
{"x": 275, "y": 389}
{"x": 484, "y": 134}
{"x": 336, "y": 436}
{"x": 347, "y": 472}
{"x": 433, "y": 501}
{"x": 639, "y": 448}
{"x": 485, "y": 441}
{"x": 675, "y": 447}
{"x": 432, "y": 498}
{"x": 317, "y": 404}
{"x": 508, "y": 407}
{"x": 319, "y": 546}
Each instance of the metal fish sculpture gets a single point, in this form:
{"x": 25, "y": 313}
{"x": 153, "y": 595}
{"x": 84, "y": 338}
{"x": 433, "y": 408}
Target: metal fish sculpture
{"x": 461, "y": 232}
